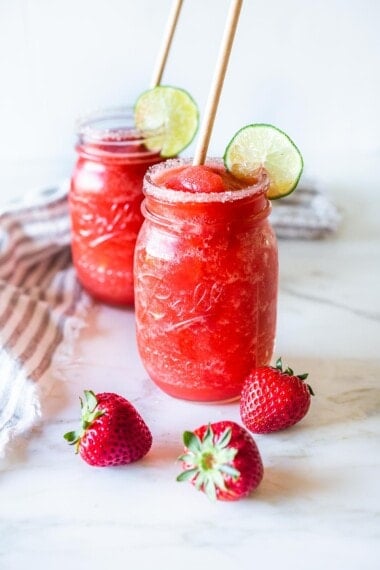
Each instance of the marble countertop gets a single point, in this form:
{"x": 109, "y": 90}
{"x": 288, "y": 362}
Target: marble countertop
{"x": 318, "y": 504}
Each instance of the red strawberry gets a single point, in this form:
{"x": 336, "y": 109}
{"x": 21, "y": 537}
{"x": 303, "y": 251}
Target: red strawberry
{"x": 112, "y": 431}
{"x": 273, "y": 399}
{"x": 222, "y": 460}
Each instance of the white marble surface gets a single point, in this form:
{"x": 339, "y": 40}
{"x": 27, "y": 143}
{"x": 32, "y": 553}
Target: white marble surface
{"x": 318, "y": 504}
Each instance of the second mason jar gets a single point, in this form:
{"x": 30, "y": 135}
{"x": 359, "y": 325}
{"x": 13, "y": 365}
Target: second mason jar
{"x": 105, "y": 200}
{"x": 206, "y": 274}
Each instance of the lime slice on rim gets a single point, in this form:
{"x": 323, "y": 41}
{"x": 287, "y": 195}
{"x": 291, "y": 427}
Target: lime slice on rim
{"x": 261, "y": 145}
{"x": 168, "y": 117}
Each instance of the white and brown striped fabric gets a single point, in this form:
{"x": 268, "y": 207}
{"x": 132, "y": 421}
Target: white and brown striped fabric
{"x": 41, "y": 304}
{"x": 307, "y": 213}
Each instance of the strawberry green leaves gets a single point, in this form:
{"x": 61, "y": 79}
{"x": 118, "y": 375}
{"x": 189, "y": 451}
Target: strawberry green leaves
{"x": 289, "y": 371}
{"x": 211, "y": 459}
{"x": 112, "y": 431}
{"x": 207, "y": 460}
{"x": 90, "y": 412}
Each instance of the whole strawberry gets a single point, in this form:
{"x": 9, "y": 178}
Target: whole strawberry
{"x": 222, "y": 460}
{"x": 273, "y": 399}
{"x": 112, "y": 431}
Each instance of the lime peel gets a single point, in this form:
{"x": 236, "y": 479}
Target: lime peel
{"x": 168, "y": 118}
{"x": 261, "y": 145}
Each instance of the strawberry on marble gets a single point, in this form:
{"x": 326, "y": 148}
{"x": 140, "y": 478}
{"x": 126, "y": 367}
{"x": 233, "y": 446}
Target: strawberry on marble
{"x": 112, "y": 431}
{"x": 222, "y": 460}
{"x": 274, "y": 399}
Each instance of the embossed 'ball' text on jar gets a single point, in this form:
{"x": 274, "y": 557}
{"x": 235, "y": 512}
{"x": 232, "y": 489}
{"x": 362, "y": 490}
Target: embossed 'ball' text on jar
{"x": 206, "y": 280}
{"x": 105, "y": 202}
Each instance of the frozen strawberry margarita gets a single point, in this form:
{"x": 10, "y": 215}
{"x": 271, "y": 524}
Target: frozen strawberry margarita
{"x": 105, "y": 203}
{"x": 206, "y": 277}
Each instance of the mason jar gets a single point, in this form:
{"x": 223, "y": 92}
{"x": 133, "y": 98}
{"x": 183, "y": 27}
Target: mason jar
{"x": 206, "y": 280}
{"x": 105, "y": 202}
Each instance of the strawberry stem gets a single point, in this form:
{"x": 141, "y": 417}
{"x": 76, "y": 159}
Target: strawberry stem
{"x": 208, "y": 461}
{"x": 303, "y": 376}
{"x": 279, "y": 364}
{"x": 290, "y": 372}
{"x": 90, "y": 412}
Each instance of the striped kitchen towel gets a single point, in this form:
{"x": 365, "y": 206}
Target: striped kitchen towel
{"x": 307, "y": 213}
{"x": 41, "y": 305}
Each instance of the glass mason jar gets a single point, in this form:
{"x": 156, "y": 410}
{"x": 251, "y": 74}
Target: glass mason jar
{"x": 206, "y": 279}
{"x": 105, "y": 202}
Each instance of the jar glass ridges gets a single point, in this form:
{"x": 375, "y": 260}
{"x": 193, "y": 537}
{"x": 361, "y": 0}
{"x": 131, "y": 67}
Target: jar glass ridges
{"x": 206, "y": 274}
{"x": 105, "y": 200}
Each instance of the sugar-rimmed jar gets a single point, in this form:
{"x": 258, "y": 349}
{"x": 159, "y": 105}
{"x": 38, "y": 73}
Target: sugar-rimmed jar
{"x": 105, "y": 202}
{"x": 206, "y": 274}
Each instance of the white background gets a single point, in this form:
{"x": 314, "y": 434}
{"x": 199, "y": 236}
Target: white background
{"x": 312, "y": 68}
